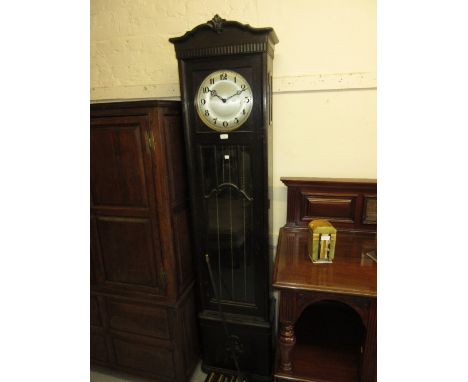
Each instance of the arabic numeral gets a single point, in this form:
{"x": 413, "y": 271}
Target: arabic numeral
{"x": 207, "y": 113}
{"x": 211, "y": 81}
{"x": 237, "y": 120}
{"x": 223, "y": 76}
{"x": 243, "y": 86}
{"x": 247, "y": 99}
{"x": 214, "y": 120}
{"x": 206, "y": 89}
{"x": 225, "y": 124}
{"x": 203, "y": 101}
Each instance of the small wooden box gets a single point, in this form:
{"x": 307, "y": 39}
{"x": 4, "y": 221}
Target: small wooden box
{"x": 322, "y": 241}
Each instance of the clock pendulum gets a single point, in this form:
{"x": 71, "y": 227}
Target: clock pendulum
{"x": 225, "y": 72}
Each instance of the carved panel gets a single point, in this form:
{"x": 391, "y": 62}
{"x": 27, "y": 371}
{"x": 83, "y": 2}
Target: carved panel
{"x": 336, "y": 208}
{"x": 138, "y": 318}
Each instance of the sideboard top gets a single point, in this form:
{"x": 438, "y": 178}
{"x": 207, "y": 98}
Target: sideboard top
{"x": 350, "y": 273}
{"x": 298, "y": 181}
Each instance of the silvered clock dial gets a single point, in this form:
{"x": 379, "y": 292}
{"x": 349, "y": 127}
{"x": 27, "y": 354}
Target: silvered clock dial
{"x": 224, "y": 100}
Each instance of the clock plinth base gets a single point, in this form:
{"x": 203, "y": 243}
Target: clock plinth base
{"x": 254, "y": 344}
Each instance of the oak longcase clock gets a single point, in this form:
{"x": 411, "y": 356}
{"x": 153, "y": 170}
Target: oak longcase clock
{"x": 225, "y": 71}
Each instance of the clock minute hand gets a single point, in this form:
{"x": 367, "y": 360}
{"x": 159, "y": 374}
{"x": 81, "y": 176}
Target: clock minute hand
{"x": 235, "y": 94}
{"x": 214, "y": 94}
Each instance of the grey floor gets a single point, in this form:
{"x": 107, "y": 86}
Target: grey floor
{"x": 103, "y": 375}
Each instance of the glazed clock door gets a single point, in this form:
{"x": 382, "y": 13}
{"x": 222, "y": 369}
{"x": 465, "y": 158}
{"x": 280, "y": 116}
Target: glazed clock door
{"x": 229, "y": 233}
{"x": 125, "y": 233}
{"x": 230, "y": 183}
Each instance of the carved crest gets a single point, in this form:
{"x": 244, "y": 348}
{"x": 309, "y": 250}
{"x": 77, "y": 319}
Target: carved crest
{"x": 216, "y": 23}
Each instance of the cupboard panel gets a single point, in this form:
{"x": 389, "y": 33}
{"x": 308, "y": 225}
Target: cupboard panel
{"x": 138, "y": 355}
{"x": 128, "y": 251}
{"x": 118, "y": 171}
{"x": 138, "y": 318}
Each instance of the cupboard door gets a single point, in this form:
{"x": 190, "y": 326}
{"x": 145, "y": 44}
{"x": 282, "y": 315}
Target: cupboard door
{"x": 118, "y": 165}
{"x": 125, "y": 222}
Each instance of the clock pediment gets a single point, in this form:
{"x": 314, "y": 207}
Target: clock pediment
{"x": 224, "y": 37}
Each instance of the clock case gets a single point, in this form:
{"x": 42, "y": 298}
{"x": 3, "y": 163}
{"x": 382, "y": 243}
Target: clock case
{"x": 236, "y": 236}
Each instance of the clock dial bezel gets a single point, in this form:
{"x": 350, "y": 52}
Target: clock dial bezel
{"x": 224, "y": 100}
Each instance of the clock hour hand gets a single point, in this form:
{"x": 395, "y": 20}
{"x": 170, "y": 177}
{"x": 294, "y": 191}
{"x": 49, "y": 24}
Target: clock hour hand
{"x": 235, "y": 94}
{"x": 214, "y": 94}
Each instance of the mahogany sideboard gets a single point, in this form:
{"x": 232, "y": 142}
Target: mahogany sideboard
{"x": 327, "y": 312}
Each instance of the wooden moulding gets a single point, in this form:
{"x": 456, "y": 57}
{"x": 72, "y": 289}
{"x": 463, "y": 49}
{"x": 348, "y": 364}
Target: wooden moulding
{"x": 348, "y": 204}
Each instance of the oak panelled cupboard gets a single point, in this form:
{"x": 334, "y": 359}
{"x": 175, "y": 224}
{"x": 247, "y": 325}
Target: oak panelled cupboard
{"x": 142, "y": 297}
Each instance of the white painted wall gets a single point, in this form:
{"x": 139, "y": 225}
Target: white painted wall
{"x": 324, "y": 95}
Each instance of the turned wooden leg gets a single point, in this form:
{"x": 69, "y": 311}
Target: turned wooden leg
{"x": 287, "y": 341}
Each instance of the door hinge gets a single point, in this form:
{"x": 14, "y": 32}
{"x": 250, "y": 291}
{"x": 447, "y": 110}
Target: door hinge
{"x": 149, "y": 141}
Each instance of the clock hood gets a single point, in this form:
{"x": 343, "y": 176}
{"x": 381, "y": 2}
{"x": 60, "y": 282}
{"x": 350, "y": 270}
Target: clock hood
{"x": 223, "y": 37}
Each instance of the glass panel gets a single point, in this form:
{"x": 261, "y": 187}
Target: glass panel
{"x": 227, "y": 192}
